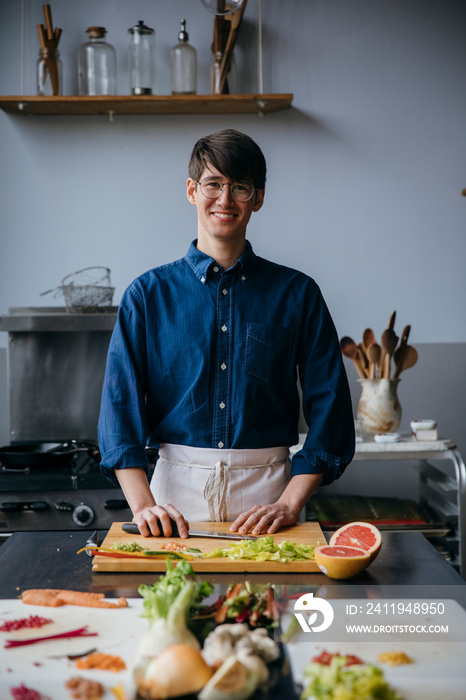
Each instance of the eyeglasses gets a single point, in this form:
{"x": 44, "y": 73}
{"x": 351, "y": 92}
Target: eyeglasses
{"x": 212, "y": 187}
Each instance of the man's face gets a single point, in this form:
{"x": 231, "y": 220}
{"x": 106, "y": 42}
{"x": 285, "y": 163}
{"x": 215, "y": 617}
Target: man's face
{"x": 222, "y": 219}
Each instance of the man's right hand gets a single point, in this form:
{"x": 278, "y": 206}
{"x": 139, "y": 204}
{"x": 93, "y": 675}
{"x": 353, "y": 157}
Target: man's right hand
{"x": 150, "y": 518}
{"x": 159, "y": 520}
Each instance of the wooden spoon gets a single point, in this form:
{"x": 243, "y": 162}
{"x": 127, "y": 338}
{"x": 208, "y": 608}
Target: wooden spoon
{"x": 350, "y": 349}
{"x": 373, "y": 355}
{"x": 389, "y": 342}
{"x": 391, "y": 320}
{"x": 390, "y": 326}
{"x": 409, "y": 359}
{"x": 368, "y": 337}
{"x": 398, "y": 356}
{"x": 362, "y": 352}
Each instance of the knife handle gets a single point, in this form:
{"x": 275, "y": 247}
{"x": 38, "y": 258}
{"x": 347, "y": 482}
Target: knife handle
{"x": 132, "y": 529}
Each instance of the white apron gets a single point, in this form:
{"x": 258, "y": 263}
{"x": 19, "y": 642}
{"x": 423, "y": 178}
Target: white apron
{"x": 217, "y": 485}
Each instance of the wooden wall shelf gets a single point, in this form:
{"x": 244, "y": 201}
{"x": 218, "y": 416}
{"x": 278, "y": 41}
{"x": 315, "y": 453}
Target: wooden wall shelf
{"x": 146, "y": 104}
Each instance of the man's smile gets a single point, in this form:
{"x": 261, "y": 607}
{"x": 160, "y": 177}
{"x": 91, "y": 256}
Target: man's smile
{"x": 224, "y": 215}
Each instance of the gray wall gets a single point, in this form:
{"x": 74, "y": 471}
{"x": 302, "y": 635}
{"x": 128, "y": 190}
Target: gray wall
{"x": 365, "y": 171}
{"x": 4, "y": 423}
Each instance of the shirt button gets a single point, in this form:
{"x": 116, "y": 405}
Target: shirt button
{"x": 220, "y": 444}
{"x": 224, "y": 328}
{"x": 243, "y": 277}
{"x": 202, "y": 280}
{"x": 223, "y": 366}
{"x": 216, "y": 269}
{"x": 222, "y": 405}
{"x": 224, "y": 291}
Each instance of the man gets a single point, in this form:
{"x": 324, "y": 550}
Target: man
{"x": 204, "y": 360}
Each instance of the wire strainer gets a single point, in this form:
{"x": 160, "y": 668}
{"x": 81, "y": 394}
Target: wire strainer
{"x": 88, "y": 291}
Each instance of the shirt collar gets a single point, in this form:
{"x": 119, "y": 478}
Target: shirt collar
{"x": 200, "y": 263}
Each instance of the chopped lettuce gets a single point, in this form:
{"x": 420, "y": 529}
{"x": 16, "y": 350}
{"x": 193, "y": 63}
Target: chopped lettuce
{"x": 338, "y": 681}
{"x": 159, "y": 597}
{"x": 263, "y": 549}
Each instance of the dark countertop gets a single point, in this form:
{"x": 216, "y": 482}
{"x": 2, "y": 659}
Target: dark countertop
{"x": 49, "y": 560}
{"x": 408, "y": 566}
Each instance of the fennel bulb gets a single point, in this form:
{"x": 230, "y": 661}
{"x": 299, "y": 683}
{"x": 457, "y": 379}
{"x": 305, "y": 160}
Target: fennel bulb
{"x": 171, "y": 629}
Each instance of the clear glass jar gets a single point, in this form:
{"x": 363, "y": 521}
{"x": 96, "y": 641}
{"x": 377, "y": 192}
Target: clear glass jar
{"x": 229, "y": 87}
{"x": 97, "y": 65}
{"x": 183, "y": 65}
{"x": 142, "y": 71}
{"x": 49, "y": 73}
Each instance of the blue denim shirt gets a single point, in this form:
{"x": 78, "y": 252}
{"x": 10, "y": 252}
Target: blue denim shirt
{"x": 207, "y": 357}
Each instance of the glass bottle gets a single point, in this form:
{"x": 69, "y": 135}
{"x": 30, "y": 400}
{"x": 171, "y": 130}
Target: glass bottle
{"x": 142, "y": 71}
{"x": 229, "y": 86}
{"x": 183, "y": 65}
{"x": 49, "y": 72}
{"x": 97, "y": 64}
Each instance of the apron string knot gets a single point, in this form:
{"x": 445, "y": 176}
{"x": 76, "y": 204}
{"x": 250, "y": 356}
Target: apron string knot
{"x": 215, "y": 491}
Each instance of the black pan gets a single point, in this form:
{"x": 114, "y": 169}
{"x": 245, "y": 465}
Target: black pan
{"x": 43, "y": 454}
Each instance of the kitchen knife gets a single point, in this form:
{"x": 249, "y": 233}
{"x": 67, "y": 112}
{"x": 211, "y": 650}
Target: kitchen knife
{"x": 92, "y": 540}
{"x": 133, "y": 529}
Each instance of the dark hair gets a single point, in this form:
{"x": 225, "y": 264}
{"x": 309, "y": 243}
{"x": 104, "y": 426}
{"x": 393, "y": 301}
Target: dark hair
{"x": 232, "y": 153}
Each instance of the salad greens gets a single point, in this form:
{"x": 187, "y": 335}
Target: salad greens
{"x": 250, "y": 603}
{"x": 339, "y": 681}
{"x": 159, "y": 597}
{"x": 167, "y": 605}
{"x": 263, "y": 549}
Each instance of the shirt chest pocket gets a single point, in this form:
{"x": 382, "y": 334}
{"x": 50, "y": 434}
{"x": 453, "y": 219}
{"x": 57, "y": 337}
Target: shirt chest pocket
{"x": 267, "y": 350}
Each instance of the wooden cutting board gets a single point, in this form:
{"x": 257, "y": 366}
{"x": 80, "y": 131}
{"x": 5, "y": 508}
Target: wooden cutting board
{"x": 309, "y": 533}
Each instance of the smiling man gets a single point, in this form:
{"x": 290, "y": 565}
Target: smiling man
{"x": 204, "y": 361}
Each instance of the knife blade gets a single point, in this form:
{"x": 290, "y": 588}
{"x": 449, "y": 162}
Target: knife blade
{"x": 132, "y": 529}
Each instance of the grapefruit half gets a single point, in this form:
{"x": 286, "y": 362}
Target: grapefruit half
{"x": 338, "y": 561}
{"x": 360, "y": 535}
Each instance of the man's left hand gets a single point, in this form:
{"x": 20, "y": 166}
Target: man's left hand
{"x": 264, "y": 519}
{"x": 273, "y": 516}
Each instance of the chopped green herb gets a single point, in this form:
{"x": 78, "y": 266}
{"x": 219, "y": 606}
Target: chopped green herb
{"x": 127, "y": 547}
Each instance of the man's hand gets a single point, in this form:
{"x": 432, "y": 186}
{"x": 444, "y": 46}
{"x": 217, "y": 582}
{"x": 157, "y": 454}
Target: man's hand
{"x": 159, "y": 520}
{"x": 271, "y": 517}
{"x": 268, "y": 518}
{"x": 150, "y": 518}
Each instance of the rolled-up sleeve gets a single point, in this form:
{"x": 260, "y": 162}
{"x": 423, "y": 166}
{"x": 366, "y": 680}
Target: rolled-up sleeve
{"x": 327, "y": 409}
{"x": 122, "y": 428}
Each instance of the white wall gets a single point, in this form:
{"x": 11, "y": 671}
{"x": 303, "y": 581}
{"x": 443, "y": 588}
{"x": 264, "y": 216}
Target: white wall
{"x": 365, "y": 171}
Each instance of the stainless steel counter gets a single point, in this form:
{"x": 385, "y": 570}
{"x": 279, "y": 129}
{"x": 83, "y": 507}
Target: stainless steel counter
{"x": 56, "y": 366}
{"x": 55, "y": 318}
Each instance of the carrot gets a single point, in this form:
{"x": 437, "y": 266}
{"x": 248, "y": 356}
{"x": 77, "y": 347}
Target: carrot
{"x": 56, "y": 597}
{"x": 106, "y": 552}
{"x": 42, "y": 596}
{"x": 118, "y": 555}
{"x": 221, "y": 614}
{"x": 90, "y": 600}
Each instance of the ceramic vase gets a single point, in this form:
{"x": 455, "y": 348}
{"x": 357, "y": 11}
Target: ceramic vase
{"x": 379, "y": 410}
